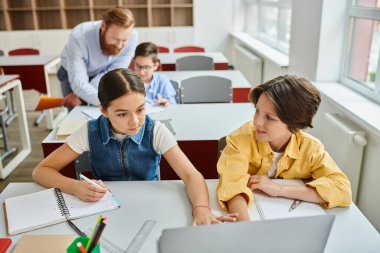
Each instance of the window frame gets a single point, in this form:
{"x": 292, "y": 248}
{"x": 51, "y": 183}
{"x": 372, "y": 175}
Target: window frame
{"x": 355, "y": 11}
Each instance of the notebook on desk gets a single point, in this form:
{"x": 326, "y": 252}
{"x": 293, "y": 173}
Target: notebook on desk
{"x": 301, "y": 234}
{"x": 266, "y": 207}
{"x": 51, "y": 206}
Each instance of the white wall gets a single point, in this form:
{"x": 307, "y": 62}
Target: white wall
{"x": 304, "y": 41}
{"x": 213, "y": 21}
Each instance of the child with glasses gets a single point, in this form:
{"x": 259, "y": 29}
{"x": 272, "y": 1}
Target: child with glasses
{"x": 159, "y": 90}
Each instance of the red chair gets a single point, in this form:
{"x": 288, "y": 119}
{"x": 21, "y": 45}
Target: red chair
{"x": 188, "y": 49}
{"x": 132, "y": 65}
{"x": 24, "y": 51}
{"x": 163, "y": 49}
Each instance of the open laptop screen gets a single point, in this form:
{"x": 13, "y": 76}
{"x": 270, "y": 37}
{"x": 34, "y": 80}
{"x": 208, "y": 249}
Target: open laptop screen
{"x": 303, "y": 234}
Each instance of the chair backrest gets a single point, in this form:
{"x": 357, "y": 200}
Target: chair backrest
{"x": 24, "y": 51}
{"x": 194, "y": 62}
{"x": 206, "y": 89}
{"x": 177, "y": 90}
{"x": 163, "y": 49}
{"x": 188, "y": 49}
{"x": 82, "y": 164}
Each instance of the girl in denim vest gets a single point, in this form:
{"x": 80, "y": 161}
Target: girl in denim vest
{"x": 124, "y": 144}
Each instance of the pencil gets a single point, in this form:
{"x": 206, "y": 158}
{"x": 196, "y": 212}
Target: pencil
{"x": 76, "y": 229}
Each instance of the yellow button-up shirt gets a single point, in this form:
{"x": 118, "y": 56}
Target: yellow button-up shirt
{"x": 304, "y": 158}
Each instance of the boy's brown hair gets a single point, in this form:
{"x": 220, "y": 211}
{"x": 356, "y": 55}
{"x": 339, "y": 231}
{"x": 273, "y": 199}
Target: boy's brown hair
{"x": 296, "y": 100}
{"x": 147, "y": 49}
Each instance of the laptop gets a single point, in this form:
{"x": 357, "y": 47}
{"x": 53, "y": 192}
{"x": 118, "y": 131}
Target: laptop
{"x": 302, "y": 234}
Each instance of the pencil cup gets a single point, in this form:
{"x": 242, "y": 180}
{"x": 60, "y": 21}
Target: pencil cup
{"x": 74, "y": 249}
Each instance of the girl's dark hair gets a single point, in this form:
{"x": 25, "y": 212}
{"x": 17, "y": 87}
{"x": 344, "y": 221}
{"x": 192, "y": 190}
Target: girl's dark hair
{"x": 296, "y": 100}
{"x": 147, "y": 49}
{"x": 117, "y": 83}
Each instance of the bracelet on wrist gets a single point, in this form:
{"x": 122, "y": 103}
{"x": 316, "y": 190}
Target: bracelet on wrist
{"x": 205, "y": 206}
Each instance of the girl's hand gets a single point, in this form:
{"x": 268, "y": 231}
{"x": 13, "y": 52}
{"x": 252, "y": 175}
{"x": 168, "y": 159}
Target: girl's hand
{"x": 203, "y": 216}
{"x": 88, "y": 192}
{"x": 264, "y": 184}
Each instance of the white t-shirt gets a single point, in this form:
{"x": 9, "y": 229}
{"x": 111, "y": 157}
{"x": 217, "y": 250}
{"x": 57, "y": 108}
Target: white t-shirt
{"x": 273, "y": 168}
{"x": 163, "y": 140}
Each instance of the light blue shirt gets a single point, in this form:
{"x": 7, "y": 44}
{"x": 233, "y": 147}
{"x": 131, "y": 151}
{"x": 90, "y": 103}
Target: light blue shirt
{"x": 160, "y": 87}
{"x": 83, "y": 59}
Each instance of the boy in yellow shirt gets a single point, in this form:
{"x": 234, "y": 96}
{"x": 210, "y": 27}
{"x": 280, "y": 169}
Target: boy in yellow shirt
{"x": 272, "y": 145}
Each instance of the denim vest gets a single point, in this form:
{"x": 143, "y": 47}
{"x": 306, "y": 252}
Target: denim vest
{"x": 132, "y": 159}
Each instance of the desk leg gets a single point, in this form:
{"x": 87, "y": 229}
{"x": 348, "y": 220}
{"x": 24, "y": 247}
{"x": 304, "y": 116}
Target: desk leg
{"x": 52, "y": 122}
{"x": 23, "y": 126}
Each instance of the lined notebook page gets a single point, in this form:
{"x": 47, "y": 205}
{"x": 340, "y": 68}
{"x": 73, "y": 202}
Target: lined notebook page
{"x": 78, "y": 208}
{"x": 32, "y": 211}
{"x": 278, "y": 207}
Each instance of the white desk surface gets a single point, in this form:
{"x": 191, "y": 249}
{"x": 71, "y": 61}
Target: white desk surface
{"x": 190, "y": 121}
{"x": 4, "y": 79}
{"x": 27, "y": 60}
{"x": 168, "y": 204}
{"x": 237, "y": 78}
{"x": 170, "y": 58}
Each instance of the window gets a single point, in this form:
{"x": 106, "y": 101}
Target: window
{"x": 269, "y": 21}
{"x": 362, "y": 68}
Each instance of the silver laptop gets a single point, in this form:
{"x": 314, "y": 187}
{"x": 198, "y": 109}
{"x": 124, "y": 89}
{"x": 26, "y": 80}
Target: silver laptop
{"x": 302, "y": 234}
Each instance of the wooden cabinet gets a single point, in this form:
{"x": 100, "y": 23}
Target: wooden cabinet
{"x": 65, "y": 14}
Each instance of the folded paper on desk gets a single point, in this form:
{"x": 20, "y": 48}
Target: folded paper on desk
{"x": 67, "y": 128}
{"x": 266, "y": 207}
{"x": 92, "y": 113}
{"x": 48, "y": 102}
{"x": 51, "y": 206}
{"x": 43, "y": 243}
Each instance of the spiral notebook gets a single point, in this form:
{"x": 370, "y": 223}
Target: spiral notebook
{"x": 48, "y": 207}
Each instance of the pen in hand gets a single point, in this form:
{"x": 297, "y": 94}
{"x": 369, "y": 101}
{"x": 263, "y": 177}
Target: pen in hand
{"x": 90, "y": 181}
{"x": 295, "y": 204}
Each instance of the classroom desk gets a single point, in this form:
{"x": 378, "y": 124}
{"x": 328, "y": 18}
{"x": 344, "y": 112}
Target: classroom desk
{"x": 8, "y": 82}
{"x": 167, "y": 203}
{"x": 168, "y": 60}
{"x": 240, "y": 85}
{"x": 198, "y": 129}
{"x": 33, "y": 71}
